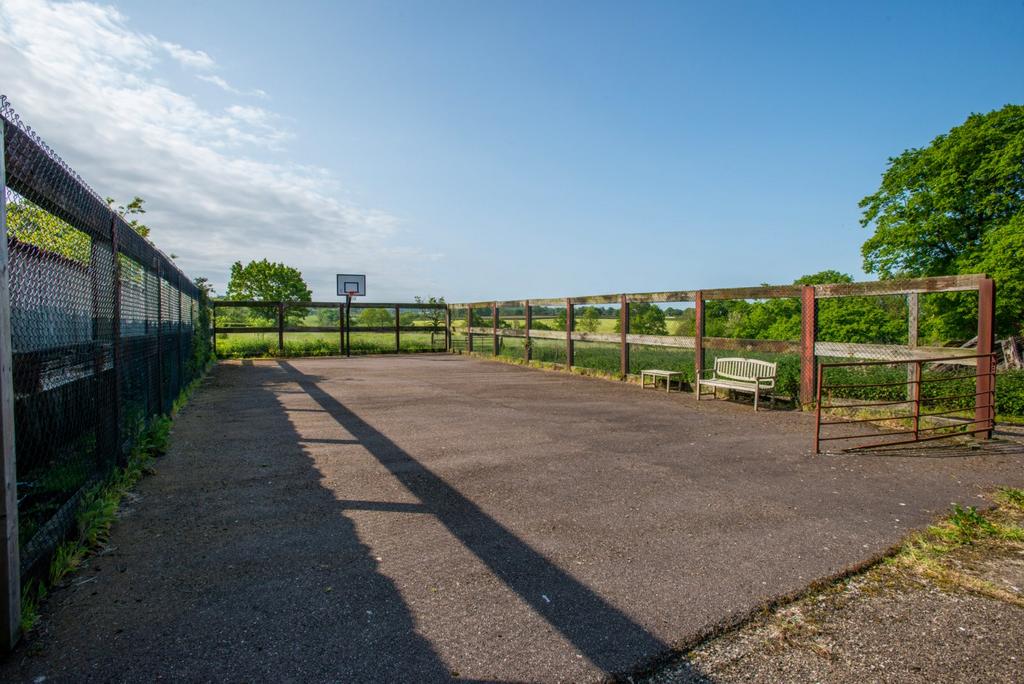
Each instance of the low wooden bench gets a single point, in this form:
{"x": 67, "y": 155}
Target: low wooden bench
{"x": 740, "y": 375}
{"x": 656, "y": 373}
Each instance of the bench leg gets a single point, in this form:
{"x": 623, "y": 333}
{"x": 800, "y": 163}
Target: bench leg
{"x": 757, "y": 395}
{"x": 696, "y": 383}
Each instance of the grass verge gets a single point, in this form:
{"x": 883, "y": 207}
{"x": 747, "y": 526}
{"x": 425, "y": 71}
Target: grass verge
{"x": 960, "y": 554}
{"x": 98, "y": 511}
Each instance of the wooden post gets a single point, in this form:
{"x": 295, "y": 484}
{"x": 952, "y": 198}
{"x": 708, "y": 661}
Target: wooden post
{"x": 984, "y": 397}
{"x": 10, "y": 564}
{"x": 447, "y": 328}
{"x": 698, "y": 335}
{"x": 469, "y": 329}
{"x": 528, "y": 319}
{"x": 398, "y": 329}
{"x": 912, "y": 316}
{"x": 280, "y": 327}
{"x": 494, "y": 329}
{"x": 570, "y": 351}
{"x": 213, "y": 321}
{"x": 808, "y": 336}
{"x": 624, "y": 331}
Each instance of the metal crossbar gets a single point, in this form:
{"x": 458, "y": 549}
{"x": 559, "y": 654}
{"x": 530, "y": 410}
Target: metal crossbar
{"x": 983, "y": 400}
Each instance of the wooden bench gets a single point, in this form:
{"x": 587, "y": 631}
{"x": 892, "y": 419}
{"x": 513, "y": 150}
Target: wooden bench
{"x": 739, "y": 375}
{"x": 656, "y": 373}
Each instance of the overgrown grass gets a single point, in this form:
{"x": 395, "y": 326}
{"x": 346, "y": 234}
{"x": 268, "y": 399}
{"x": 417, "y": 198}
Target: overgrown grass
{"x": 930, "y": 554}
{"x": 98, "y": 511}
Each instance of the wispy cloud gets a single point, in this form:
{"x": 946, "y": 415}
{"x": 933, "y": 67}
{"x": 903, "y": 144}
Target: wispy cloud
{"x": 217, "y": 183}
{"x": 228, "y": 88}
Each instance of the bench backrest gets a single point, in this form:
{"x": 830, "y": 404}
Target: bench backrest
{"x": 745, "y": 369}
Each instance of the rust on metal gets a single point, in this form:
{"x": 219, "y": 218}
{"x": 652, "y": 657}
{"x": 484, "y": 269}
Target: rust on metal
{"x": 528, "y": 321}
{"x": 808, "y": 334}
{"x": 984, "y": 403}
{"x": 623, "y": 336}
{"x": 985, "y": 383}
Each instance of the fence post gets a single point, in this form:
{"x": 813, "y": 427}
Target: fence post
{"x": 341, "y": 329}
{"x": 398, "y": 327}
{"x": 623, "y": 332}
{"x": 570, "y": 351}
{"x": 698, "y": 336}
{"x": 159, "y": 333}
{"x": 178, "y": 340}
{"x": 984, "y": 388}
{"x": 808, "y": 336}
{"x": 494, "y": 329}
{"x": 469, "y": 329}
{"x": 116, "y": 338}
{"x": 280, "y": 327}
{"x": 213, "y": 325}
{"x": 10, "y": 565}
{"x": 912, "y": 316}
{"x": 528, "y": 319}
{"x": 447, "y": 328}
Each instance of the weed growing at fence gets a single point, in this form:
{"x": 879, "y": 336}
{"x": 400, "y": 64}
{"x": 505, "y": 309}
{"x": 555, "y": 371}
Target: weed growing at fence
{"x": 98, "y": 510}
{"x": 241, "y": 346}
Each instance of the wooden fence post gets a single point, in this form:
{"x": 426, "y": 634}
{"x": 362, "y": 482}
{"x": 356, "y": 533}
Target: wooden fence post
{"x": 624, "y": 331}
{"x": 213, "y": 325}
{"x": 280, "y": 327}
{"x": 570, "y": 351}
{"x": 528, "y": 318}
{"x": 398, "y": 329}
{"x": 808, "y": 336}
{"x": 447, "y": 328}
{"x": 984, "y": 386}
{"x": 913, "y": 303}
{"x": 494, "y": 329}
{"x": 10, "y": 564}
{"x": 698, "y": 335}
{"x": 469, "y": 329}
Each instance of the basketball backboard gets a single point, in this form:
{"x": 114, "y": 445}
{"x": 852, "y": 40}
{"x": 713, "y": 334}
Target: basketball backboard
{"x": 351, "y": 284}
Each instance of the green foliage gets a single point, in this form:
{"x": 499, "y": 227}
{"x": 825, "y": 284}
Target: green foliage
{"x": 645, "y": 319}
{"x": 202, "y": 348}
{"x": 267, "y": 281}
{"x": 133, "y": 208}
{"x": 964, "y": 526}
{"x": 375, "y": 318}
{"x": 32, "y": 225}
{"x": 1011, "y": 496}
{"x": 435, "y": 316}
{"x": 589, "y": 320}
{"x": 956, "y": 206}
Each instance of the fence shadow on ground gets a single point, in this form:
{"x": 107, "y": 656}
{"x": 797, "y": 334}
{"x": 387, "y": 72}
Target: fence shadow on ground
{"x": 602, "y": 633}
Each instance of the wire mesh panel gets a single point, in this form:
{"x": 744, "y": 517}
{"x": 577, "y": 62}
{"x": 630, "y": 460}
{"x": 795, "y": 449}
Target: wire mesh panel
{"x": 103, "y": 333}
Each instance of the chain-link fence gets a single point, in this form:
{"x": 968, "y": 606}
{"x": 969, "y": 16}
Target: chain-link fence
{"x": 105, "y": 332}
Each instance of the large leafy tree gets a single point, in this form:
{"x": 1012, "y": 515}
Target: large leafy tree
{"x": 956, "y": 206}
{"x": 268, "y": 281}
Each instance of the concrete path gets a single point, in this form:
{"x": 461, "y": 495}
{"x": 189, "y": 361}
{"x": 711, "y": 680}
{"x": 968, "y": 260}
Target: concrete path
{"x": 421, "y": 518}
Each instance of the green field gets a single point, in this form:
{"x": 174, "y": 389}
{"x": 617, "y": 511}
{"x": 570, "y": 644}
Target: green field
{"x": 249, "y": 345}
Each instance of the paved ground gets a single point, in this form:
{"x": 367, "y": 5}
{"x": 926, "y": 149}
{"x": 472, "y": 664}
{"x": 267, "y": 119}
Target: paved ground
{"x": 423, "y": 517}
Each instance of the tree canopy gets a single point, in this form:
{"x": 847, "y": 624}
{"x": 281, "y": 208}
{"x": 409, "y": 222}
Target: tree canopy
{"x": 956, "y": 206}
{"x": 267, "y": 281}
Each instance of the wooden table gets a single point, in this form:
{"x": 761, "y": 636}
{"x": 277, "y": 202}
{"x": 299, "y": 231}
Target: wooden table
{"x": 656, "y": 373}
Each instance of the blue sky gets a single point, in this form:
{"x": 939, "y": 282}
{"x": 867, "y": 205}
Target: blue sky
{"x": 485, "y": 150}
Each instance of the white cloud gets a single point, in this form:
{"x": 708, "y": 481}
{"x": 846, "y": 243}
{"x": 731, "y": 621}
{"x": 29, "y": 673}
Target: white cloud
{"x": 228, "y": 88}
{"x": 196, "y": 59}
{"x": 215, "y": 186}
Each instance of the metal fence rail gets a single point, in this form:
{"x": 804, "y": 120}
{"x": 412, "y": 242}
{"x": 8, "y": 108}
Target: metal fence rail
{"x": 949, "y": 393}
{"x": 99, "y": 332}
